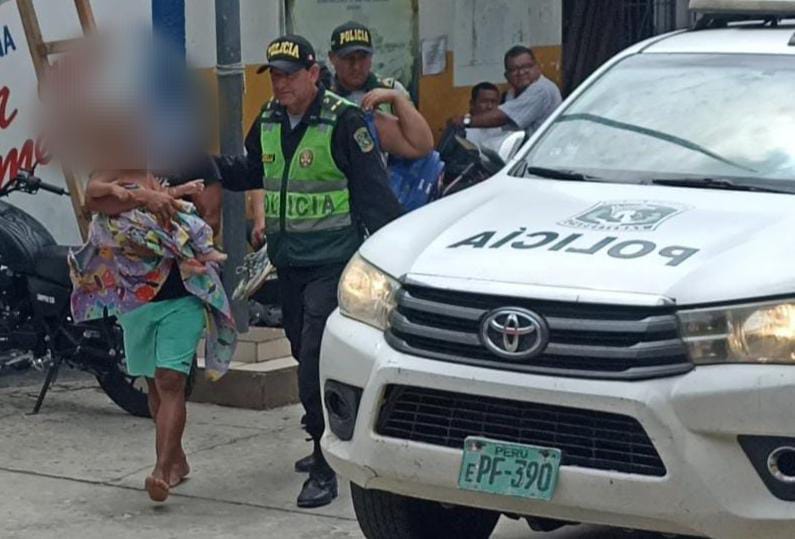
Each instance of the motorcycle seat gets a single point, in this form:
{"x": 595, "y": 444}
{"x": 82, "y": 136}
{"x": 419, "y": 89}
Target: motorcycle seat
{"x": 51, "y": 264}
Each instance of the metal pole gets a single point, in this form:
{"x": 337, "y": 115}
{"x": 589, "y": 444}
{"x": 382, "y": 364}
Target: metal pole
{"x": 682, "y": 14}
{"x": 230, "y": 106}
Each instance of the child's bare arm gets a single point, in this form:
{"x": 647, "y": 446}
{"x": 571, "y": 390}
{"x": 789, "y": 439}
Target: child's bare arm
{"x": 187, "y": 189}
{"x": 101, "y": 185}
{"x": 208, "y": 203}
{"x": 104, "y": 194}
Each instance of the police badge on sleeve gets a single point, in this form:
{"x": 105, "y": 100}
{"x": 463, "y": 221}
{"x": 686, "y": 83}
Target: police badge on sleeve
{"x": 364, "y": 140}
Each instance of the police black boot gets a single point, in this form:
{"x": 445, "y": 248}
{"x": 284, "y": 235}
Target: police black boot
{"x": 321, "y": 487}
{"x": 304, "y": 465}
{"x": 318, "y": 491}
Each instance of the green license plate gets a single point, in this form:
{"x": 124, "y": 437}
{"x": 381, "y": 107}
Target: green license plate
{"x": 510, "y": 469}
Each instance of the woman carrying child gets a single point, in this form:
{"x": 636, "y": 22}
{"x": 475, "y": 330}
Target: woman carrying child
{"x": 150, "y": 261}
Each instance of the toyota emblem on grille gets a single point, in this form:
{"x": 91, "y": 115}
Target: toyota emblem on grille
{"x": 514, "y": 333}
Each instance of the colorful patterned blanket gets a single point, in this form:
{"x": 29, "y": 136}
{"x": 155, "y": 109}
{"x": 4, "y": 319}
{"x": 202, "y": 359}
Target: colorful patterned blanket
{"x": 127, "y": 259}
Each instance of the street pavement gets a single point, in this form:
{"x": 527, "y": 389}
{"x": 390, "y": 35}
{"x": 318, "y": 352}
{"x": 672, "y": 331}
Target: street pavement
{"x": 77, "y": 470}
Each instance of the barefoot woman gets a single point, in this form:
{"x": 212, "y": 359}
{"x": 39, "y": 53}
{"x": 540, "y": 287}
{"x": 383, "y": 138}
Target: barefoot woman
{"x": 163, "y": 308}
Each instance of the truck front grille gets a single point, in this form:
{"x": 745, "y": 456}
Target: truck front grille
{"x": 587, "y": 438}
{"x": 585, "y": 340}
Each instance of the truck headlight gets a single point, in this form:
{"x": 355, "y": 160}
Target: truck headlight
{"x": 753, "y": 333}
{"x": 366, "y": 293}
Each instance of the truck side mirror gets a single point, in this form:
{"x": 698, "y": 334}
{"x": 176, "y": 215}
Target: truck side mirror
{"x": 510, "y": 145}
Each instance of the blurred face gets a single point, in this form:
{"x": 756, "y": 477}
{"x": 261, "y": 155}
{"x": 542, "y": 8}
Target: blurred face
{"x": 295, "y": 90}
{"x": 353, "y": 69}
{"x": 485, "y": 101}
{"x": 95, "y": 114}
{"x": 521, "y": 71}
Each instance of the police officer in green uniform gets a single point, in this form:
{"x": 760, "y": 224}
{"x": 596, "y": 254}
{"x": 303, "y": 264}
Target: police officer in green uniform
{"x": 325, "y": 186}
{"x": 352, "y": 56}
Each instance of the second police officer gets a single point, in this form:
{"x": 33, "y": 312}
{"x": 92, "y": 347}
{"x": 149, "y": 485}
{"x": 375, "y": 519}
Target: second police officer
{"x": 352, "y": 56}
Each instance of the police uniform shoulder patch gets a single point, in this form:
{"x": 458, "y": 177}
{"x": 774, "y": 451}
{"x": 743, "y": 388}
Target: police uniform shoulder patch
{"x": 364, "y": 140}
{"x": 335, "y": 101}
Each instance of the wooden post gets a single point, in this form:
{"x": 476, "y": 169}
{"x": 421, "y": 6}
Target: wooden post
{"x": 30, "y": 23}
{"x": 40, "y": 52}
{"x": 86, "y": 16}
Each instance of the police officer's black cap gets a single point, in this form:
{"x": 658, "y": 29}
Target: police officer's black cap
{"x": 351, "y": 37}
{"x": 289, "y": 53}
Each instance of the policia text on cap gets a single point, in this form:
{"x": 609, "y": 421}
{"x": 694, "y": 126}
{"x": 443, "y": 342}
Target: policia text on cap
{"x": 352, "y": 55}
{"x": 324, "y": 182}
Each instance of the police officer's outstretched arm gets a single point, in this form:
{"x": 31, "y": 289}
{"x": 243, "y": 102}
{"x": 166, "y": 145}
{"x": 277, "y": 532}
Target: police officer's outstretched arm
{"x": 243, "y": 172}
{"x": 372, "y": 201}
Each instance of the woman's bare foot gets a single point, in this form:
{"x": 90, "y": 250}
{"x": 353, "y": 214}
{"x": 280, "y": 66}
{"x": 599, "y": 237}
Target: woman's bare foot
{"x": 156, "y": 488}
{"x": 179, "y": 473}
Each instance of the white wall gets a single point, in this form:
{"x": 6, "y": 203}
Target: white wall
{"x": 58, "y": 19}
{"x": 436, "y": 19}
{"x": 200, "y": 32}
{"x": 497, "y": 24}
{"x": 259, "y": 24}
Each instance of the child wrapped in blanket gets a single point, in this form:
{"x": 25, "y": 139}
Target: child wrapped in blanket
{"x": 186, "y": 229}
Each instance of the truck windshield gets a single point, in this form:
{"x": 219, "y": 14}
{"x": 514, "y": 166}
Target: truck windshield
{"x": 671, "y": 116}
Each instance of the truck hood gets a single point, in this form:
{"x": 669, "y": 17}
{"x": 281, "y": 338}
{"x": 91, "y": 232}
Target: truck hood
{"x": 692, "y": 246}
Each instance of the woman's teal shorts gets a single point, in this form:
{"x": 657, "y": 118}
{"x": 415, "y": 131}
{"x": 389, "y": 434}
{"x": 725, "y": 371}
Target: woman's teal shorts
{"x": 163, "y": 335}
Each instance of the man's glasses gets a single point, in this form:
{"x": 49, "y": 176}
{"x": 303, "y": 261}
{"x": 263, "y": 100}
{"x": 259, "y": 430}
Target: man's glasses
{"x": 527, "y": 68}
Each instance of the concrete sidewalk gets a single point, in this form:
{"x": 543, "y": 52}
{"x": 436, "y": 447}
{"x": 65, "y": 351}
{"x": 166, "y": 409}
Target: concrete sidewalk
{"x": 77, "y": 470}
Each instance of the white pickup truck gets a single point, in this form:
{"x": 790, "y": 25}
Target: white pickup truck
{"x": 605, "y": 331}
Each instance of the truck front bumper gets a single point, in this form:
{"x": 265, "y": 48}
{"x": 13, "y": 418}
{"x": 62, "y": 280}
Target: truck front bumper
{"x": 709, "y": 487}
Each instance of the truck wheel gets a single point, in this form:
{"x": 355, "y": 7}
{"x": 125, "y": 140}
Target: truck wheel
{"x": 383, "y": 515}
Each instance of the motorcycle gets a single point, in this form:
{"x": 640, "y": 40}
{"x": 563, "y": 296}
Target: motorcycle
{"x": 36, "y": 325}
{"x": 468, "y": 163}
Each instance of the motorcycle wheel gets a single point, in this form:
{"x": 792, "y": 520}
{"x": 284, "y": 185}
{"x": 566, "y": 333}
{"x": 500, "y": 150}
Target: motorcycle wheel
{"x": 130, "y": 392}
{"x": 127, "y": 392}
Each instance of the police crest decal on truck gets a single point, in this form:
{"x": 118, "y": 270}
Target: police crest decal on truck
{"x": 638, "y": 215}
